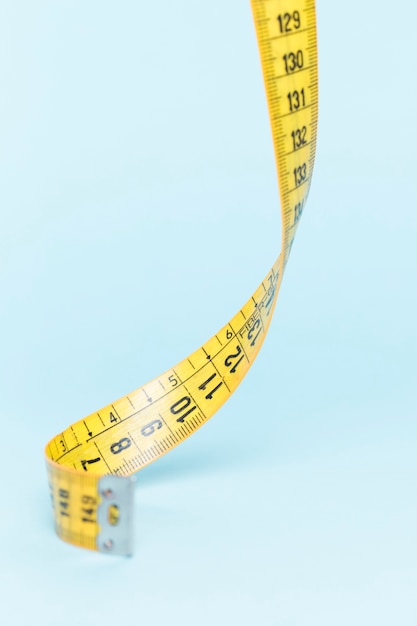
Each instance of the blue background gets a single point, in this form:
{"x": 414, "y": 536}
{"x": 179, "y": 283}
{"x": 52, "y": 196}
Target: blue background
{"x": 138, "y": 212}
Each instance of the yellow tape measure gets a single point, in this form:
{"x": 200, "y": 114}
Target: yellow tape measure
{"x": 90, "y": 464}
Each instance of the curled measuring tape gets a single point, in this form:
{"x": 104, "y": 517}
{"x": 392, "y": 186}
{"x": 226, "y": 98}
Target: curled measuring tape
{"x": 90, "y": 465}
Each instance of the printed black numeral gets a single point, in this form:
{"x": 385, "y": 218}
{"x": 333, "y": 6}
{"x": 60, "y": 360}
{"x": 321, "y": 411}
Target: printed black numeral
{"x": 89, "y": 500}
{"x": 180, "y": 406}
{"x": 119, "y": 446}
{"x": 270, "y": 300}
{"x": 203, "y": 386}
{"x": 293, "y": 61}
{"x": 89, "y": 509}
{"x": 150, "y": 428}
{"x": 256, "y": 326}
{"x": 113, "y": 418}
{"x": 299, "y": 138}
{"x": 63, "y": 506}
{"x": 300, "y": 174}
{"x": 298, "y": 211}
{"x": 296, "y": 99}
{"x": 289, "y": 21}
{"x": 64, "y": 502}
{"x": 85, "y": 463}
{"x": 229, "y": 361}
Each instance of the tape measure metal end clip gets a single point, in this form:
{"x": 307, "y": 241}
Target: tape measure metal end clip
{"x": 115, "y": 515}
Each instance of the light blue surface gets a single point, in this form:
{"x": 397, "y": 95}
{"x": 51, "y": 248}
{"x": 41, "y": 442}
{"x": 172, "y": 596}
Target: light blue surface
{"x": 135, "y": 139}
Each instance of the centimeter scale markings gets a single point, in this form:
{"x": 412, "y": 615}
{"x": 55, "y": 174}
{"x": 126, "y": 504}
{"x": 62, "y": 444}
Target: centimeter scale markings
{"x": 136, "y": 429}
